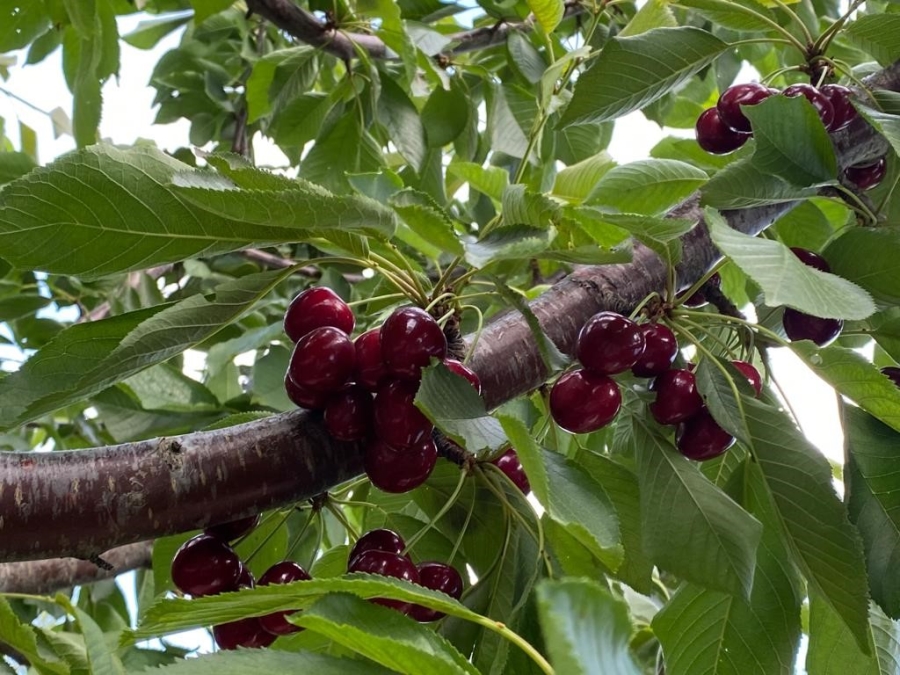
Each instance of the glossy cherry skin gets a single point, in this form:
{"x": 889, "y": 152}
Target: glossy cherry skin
{"x": 247, "y": 633}
{"x": 437, "y": 576}
{"x": 839, "y": 97}
{"x": 752, "y": 375}
{"x": 245, "y": 578}
{"x": 716, "y": 137}
{"x": 316, "y": 307}
{"x": 349, "y": 415}
{"x": 410, "y": 337}
{"x": 698, "y": 298}
{"x": 811, "y": 259}
{"x": 397, "y": 420}
{"x": 819, "y": 101}
{"x": 205, "y": 565}
{"x": 701, "y": 438}
{"x": 677, "y": 398}
{"x": 381, "y": 539}
{"x": 388, "y": 565}
{"x": 234, "y": 529}
{"x": 509, "y": 464}
{"x": 609, "y": 343}
{"x": 800, "y": 326}
{"x": 892, "y": 372}
{"x": 370, "y": 370}
{"x": 400, "y": 470}
{"x": 731, "y": 100}
{"x": 582, "y": 402}
{"x": 323, "y": 360}
{"x": 463, "y": 370}
{"x": 303, "y": 397}
{"x": 283, "y": 572}
{"x": 660, "y": 350}
{"x": 868, "y": 176}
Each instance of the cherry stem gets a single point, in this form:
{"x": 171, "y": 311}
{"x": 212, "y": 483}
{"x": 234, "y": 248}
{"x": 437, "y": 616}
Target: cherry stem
{"x": 774, "y": 337}
{"x": 774, "y": 25}
{"x": 443, "y": 296}
{"x": 478, "y": 330}
{"x": 269, "y": 536}
{"x": 827, "y": 35}
{"x": 695, "y": 287}
{"x": 726, "y": 349}
{"x": 637, "y": 310}
{"x": 377, "y": 298}
{"x": 454, "y": 497}
{"x": 299, "y": 537}
{"x": 465, "y": 527}
{"x": 342, "y": 519}
{"x": 857, "y": 204}
{"x": 516, "y": 639}
{"x": 794, "y": 17}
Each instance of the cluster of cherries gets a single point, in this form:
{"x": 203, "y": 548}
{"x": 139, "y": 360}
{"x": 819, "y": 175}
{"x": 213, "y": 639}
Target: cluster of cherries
{"x": 801, "y": 326}
{"x": 725, "y": 128}
{"x": 207, "y": 565}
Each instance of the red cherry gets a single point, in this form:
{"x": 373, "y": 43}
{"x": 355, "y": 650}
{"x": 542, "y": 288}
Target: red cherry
{"x": 349, "y": 415}
{"x": 316, "y": 307}
{"x": 377, "y": 540}
{"x": 800, "y": 326}
{"x": 388, "y": 565}
{"x": 868, "y": 176}
{"x": 677, "y": 398}
{"x": 323, "y": 360}
{"x": 509, "y": 464}
{"x": 609, "y": 343}
{"x": 283, "y": 572}
{"x": 395, "y": 470}
{"x": 437, "y": 576}
{"x": 582, "y": 402}
{"x": 716, "y": 137}
{"x": 659, "y": 352}
{"x": 397, "y": 420}
{"x": 247, "y": 633}
{"x": 409, "y": 339}
{"x": 245, "y": 578}
{"x": 892, "y": 372}
{"x": 698, "y": 298}
{"x": 464, "y": 370}
{"x": 303, "y": 397}
{"x": 370, "y": 370}
{"x": 839, "y": 97}
{"x": 819, "y": 101}
{"x": 811, "y": 259}
{"x": 234, "y": 529}
{"x": 731, "y": 100}
{"x": 701, "y": 438}
{"x": 205, "y": 565}
{"x": 752, "y": 375}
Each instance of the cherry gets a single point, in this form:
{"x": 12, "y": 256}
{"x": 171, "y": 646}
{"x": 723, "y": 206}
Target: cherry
{"x": 716, "y": 137}
{"x": 316, "y": 307}
{"x": 349, "y": 414}
{"x": 466, "y": 372}
{"x": 303, "y": 397}
{"x": 752, "y": 375}
{"x": 234, "y": 529}
{"x": 437, "y": 576}
{"x": 323, "y": 360}
{"x": 698, "y": 298}
{"x": 397, "y": 420}
{"x": 245, "y": 578}
{"x": 242, "y": 633}
{"x": 205, "y": 565}
{"x": 839, "y": 97}
{"x": 381, "y": 539}
{"x": 370, "y": 370}
{"x": 701, "y": 438}
{"x": 283, "y": 572}
{"x": 811, "y": 259}
{"x": 819, "y": 101}
{"x": 659, "y": 352}
{"x": 609, "y": 343}
{"x": 409, "y": 338}
{"x": 731, "y": 100}
{"x": 509, "y": 464}
{"x": 800, "y": 326}
{"x": 395, "y": 470}
{"x": 582, "y": 402}
{"x": 389, "y": 565}
{"x": 893, "y": 372}
{"x": 677, "y": 398}
{"x": 867, "y": 176}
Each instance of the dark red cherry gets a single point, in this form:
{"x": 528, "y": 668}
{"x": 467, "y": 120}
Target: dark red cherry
{"x": 811, "y": 259}
{"x": 751, "y": 373}
{"x": 205, "y": 565}
{"x": 234, "y": 529}
{"x": 701, "y": 438}
{"x": 247, "y": 633}
{"x": 867, "y": 176}
{"x": 892, "y": 372}
{"x": 582, "y": 402}
{"x": 245, "y": 578}
{"x": 381, "y": 539}
{"x": 677, "y": 398}
{"x": 316, "y": 307}
{"x": 409, "y": 339}
{"x": 839, "y": 97}
{"x": 370, "y": 370}
{"x": 323, "y": 360}
{"x": 609, "y": 343}
{"x": 731, "y": 100}
{"x": 466, "y": 372}
{"x": 800, "y": 326}
{"x": 660, "y": 350}
{"x": 437, "y": 576}
{"x": 349, "y": 415}
{"x": 303, "y": 397}
{"x": 509, "y": 464}
{"x": 819, "y": 101}
{"x": 716, "y": 137}
{"x": 698, "y": 298}
{"x": 397, "y": 420}
{"x": 400, "y": 470}
{"x": 388, "y": 565}
{"x": 283, "y": 572}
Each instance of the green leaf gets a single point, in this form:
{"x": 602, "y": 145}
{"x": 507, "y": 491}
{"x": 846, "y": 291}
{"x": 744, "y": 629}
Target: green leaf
{"x": 732, "y": 15}
{"x": 787, "y": 281}
{"x": 868, "y": 256}
{"x": 632, "y": 72}
{"x": 877, "y": 34}
{"x": 577, "y": 181}
{"x": 204, "y": 9}
{"x": 661, "y": 235}
{"x": 13, "y": 165}
{"x": 647, "y": 187}
{"x": 720, "y": 398}
{"x": 791, "y": 141}
{"x": 25, "y": 304}
{"x": 278, "y": 79}
{"x": 885, "y": 124}
{"x": 147, "y": 34}
{"x": 423, "y": 216}
{"x": 491, "y": 180}
{"x": 832, "y": 649}
{"x": 246, "y": 661}
{"x": 344, "y": 147}
{"x": 20, "y": 636}
{"x": 586, "y": 628}
{"x": 102, "y": 661}
{"x": 523, "y": 207}
{"x": 742, "y": 185}
{"x": 654, "y": 14}
{"x": 524, "y": 58}
{"x": 506, "y": 133}
{"x": 401, "y": 119}
{"x": 20, "y": 23}
{"x": 548, "y": 13}
{"x": 514, "y": 242}
{"x": 445, "y": 116}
